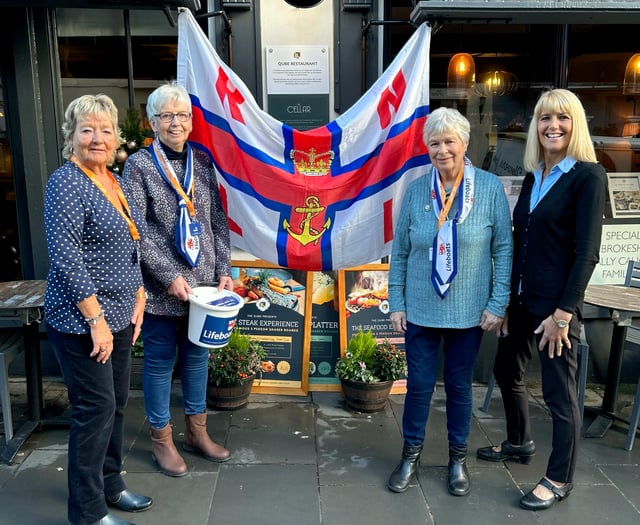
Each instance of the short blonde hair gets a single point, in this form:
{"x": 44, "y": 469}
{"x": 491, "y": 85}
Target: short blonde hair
{"x": 446, "y": 120}
{"x": 580, "y": 144}
{"x": 98, "y": 105}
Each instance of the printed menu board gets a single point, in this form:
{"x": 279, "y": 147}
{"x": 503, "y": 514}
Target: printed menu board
{"x": 325, "y": 331}
{"x": 367, "y": 308}
{"x": 273, "y": 314}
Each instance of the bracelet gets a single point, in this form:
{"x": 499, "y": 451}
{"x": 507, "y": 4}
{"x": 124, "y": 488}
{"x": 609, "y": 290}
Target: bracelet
{"x": 94, "y": 320}
{"x": 142, "y": 295}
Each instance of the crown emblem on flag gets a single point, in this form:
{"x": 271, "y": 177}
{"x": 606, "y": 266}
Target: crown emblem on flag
{"x": 310, "y": 162}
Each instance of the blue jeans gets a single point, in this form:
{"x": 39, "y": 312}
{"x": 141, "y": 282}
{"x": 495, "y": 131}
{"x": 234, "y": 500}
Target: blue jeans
{"x": 98, "y": 394}
{"x": 460, "y": 351}
{"x": 162, "y": 335}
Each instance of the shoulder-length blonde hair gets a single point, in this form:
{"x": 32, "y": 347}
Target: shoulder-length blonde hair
{"x": 580, "y": 144}
{"x": 88, "y": 105}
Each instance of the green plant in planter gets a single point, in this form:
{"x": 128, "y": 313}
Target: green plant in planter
{"x": 241, "y": 358}
{"x": 368, "y": 361}
{"x": 137, "y": 350}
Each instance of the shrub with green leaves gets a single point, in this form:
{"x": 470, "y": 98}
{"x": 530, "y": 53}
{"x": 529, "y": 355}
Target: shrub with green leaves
{"x": 241, "y": 358}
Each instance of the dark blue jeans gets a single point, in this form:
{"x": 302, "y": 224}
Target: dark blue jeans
{"x": 162, "y": 335}
{"x": 98, "y": 394}
{"x": 460, "y": 351}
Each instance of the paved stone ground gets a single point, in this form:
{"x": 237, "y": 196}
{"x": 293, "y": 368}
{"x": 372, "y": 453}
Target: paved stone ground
{"x": 308, "y": 460}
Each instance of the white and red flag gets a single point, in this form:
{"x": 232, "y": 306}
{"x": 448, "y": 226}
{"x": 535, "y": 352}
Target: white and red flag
{"x": 323, "y": 199}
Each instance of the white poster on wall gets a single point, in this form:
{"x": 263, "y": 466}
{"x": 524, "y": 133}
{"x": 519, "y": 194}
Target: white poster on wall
{"x": 620, "y": 243}
{"x": 297, "y": 70}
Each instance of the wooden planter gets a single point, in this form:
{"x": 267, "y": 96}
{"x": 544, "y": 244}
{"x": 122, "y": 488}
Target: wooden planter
{"x": 229, "y": 397}
{"x": 135, "y": 381}
{"x": 366, "y": 397}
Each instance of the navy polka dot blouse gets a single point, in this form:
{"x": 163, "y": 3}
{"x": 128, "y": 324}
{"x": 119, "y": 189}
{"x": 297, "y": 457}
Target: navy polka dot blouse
{"x": 90, "y": 252}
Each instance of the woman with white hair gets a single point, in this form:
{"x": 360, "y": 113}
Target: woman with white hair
{"x": 448, "y": 282}
{"x": 175, "y": 187}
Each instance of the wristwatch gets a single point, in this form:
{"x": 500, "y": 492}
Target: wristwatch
{"x": 560, "y": 322}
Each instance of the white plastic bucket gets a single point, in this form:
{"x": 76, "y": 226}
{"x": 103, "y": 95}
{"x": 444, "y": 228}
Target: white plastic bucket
{"x": 212, "y": 316}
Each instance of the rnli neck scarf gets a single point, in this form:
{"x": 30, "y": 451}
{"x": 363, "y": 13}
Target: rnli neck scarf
{"x": 444, "y": 260}
{"x": 188, "y": 230}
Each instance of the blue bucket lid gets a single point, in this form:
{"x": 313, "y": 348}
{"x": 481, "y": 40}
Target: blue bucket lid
{"x": 210, "y": 298}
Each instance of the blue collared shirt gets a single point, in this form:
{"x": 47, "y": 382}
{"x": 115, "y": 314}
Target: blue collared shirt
{"x": 541, "y": 187}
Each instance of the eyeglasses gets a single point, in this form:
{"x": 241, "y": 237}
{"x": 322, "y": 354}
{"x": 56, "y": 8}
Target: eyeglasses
{"x": 167, "y": 117}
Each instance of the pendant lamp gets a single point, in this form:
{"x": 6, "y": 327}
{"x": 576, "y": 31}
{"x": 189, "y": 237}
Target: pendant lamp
{"x": 497, "y": 83}
{"x": 631, "y": 83}
{"x": 461, "y": 74}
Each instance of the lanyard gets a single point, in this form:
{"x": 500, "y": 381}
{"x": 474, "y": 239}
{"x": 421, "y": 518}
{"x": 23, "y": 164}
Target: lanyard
{"x": 448, "y": 202}
{"x": 123, "y": 209}
{"x": 166, "y": 170}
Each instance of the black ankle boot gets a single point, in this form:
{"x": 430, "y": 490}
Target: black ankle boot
{"x": 408, "y": 466}
{"x": 459, "y": 484}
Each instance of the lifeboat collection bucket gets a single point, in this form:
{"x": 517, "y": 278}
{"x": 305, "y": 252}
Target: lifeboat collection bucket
{"x": 212, "y": 316}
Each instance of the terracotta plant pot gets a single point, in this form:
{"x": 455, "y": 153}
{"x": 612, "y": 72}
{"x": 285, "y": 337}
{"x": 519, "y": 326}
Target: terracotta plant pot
{"x": 229, "y": 397}
{"x": 366, "y": 397}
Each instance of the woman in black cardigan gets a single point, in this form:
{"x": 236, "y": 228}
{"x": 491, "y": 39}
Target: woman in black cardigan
{"x": 557, "y": 229}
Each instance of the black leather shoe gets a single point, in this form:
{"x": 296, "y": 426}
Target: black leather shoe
{"x": 129, "y": 501}
{"x": 532, "y": 502}
{"x": 523, "y": 453}
{"x": 111, "y": 519}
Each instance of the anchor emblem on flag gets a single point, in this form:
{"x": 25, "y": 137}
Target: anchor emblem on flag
{"x": 308, "y": 234}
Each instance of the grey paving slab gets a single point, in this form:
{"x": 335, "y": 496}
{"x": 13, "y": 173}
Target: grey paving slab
{"x": 357, "y": 504}
{"x": 626, "y": 478}
{"x": 588, "y": 504}
{"x": 176, "y": 501}
{"x": 266, "y": 495}
{"x": 273, "y": 433}
{"x": 359, "y": 449}
{"x": 37, "y": 491}
{"x": 493, "y": 498}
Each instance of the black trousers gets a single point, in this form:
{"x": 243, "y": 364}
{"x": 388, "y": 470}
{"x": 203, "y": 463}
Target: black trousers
{"x": 558, "y": 388}
{"x": 98, "y": 394}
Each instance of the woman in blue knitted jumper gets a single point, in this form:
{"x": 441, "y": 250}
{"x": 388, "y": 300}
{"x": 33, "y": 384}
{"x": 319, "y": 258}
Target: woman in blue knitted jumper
{"x": 448, "y": 283}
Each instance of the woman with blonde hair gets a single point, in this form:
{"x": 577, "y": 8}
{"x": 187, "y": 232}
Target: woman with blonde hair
{"x": 557, "y": 225}
{"x": 94, "y": 305}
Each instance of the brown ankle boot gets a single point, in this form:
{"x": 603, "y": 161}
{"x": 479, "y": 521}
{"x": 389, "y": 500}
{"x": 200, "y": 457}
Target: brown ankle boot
{"x": 165, "y": 454}
{"x": 198, "y": 441}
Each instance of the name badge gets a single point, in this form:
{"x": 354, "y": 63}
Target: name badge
{"x": 195, "y": 228}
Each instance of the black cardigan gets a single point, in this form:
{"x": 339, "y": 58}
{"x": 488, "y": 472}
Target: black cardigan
{"x": 557, "y": 245}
